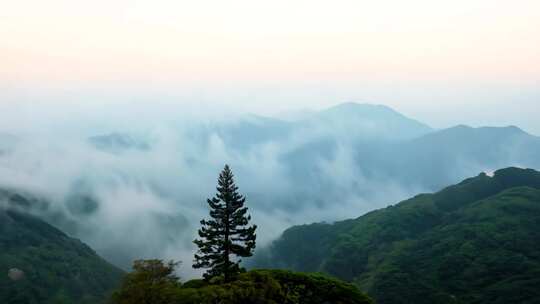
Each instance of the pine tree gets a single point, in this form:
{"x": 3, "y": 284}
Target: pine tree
{"x": 227, "y": 233}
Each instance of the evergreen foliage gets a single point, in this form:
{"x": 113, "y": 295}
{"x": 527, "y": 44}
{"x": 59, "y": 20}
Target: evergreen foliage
{"x": 474, "y": 242}
{"x": 145, "y": 285}
{"x": 227, "y": 233}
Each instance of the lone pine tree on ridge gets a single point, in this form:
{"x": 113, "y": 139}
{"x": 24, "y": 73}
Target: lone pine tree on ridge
{"x": 227, "y": 233}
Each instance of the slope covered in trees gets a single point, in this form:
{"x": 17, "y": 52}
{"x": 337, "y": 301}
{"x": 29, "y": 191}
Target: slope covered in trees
{"x": 474, "y": 242}
{"x": 41, "y": 264}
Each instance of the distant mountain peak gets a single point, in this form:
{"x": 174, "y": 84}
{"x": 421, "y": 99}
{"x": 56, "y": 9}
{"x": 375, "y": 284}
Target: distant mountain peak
{"x": 364, "y": 108}
{"x": 509, "y": 130}
{"x": 506, "y": 130}
{"x": 461, "y": 127}
{"x": 368, "y": 121}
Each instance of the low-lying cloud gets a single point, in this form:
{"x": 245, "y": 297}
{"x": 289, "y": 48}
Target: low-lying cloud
{"x": 130, "y": 202}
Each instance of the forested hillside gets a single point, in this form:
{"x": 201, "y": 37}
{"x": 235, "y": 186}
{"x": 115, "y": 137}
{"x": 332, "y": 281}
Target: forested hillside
{"x": 41, "y": 265}
{"x": 474, "y": 242}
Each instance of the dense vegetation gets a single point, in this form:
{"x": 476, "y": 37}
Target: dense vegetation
{"x": 153, "y": 282}
{"x": 42, "y": 265}
{"x": 474, "y": 242}
{"x": 224, "y": 239}
{"x": 226, "y": 236}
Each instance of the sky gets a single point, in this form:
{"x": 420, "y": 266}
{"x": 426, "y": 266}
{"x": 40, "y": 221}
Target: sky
{"x": 442, "y": 62}
{"x": 95, "y": 67}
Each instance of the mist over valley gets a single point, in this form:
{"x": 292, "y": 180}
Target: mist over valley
{"x": 136, "y": 192}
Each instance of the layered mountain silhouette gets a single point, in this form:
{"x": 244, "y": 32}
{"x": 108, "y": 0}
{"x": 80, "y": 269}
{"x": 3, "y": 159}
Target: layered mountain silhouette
{"x": 366, "y": 122}
{"x": 349, "y": 159}
{"x": 381, "y": 143}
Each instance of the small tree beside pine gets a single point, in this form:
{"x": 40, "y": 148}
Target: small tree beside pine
{"x": 226, "y": 236}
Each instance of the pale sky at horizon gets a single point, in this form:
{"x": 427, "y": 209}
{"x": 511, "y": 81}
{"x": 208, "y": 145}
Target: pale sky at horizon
{"x": 442, "y": 62}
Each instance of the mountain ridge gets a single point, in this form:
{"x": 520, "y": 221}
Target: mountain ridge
{"x": 408, "y": 252}
{"x": 50, "y": 267}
